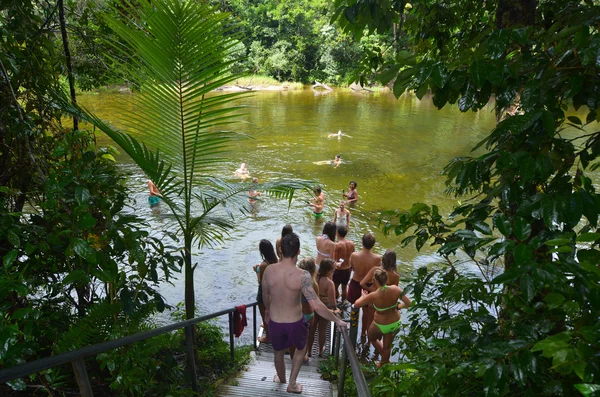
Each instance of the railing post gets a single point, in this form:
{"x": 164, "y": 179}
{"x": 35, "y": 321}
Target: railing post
{"x": 354, "y": 325}
{"x": 337, "y": 342}
{"x": 254, "y": 326}
{"x": 333, "y": 339}
{"x": 231, "y": 344}
{"x": 82, "y": 378}
{"x": 342, "y": 379}
{"x": 191, "y": 359}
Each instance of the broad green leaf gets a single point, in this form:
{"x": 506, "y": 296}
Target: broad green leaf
{"x": 588, "y": 389}
{"x": 523, "y": 254}
{"x": 82, "y": 195}
{"x": 502, "y": 223}
{"x": 527, "y": 288}
{"x": 439, "y": 74}
{"x": 553, "y": 343}
{"x": 87, "y": 221}
{"x": 554, "y": 300}
{"x": 388, "y": 75}
{"x": 14, "y": 239}
{"x": 522, "y": 228}
{"x": 496, "y": 43}
{"x": 558, "y": 242}
{"x": 82, "y": 248}
{"x": 10, "y": 258}
{"x": 588, "y": 237}
{"x": 575, "y": 120}
{"x": 479, "y": 73}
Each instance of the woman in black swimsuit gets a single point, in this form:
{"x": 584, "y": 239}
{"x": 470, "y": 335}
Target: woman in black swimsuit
{"x": 268, "y": 255}
{"x": 352, "y": 194}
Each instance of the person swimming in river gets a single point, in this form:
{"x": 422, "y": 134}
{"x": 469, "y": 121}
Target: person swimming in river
{"x": 318, "y": 202}
{"x": 339, "y": 135}
{"x": 154, "y": 197}
{"x": 242, "y": 172}
{"x": 335, "y": 162}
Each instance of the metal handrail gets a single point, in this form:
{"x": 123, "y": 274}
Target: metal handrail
{"x": 349, "y": 355}
{"x": 359, "y": 378}
{"x": 76, "y": 356}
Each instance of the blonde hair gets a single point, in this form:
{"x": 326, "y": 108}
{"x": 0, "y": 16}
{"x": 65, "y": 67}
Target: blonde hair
{"x": 381, "y": 276}
{"x": 309, "y": 265}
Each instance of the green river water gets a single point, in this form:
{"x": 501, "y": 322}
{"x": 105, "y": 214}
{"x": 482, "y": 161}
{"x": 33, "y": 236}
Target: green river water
{"x": 396, "y": 152}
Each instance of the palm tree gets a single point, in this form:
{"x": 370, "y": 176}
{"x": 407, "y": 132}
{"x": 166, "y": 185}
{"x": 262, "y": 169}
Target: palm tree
{"x": 178, "y": 54}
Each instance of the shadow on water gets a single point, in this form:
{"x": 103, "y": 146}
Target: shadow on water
{"x": 396, "y": 152}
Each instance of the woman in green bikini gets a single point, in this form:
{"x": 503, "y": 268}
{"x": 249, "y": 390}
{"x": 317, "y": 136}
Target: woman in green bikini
{"x": 386, "y": 322}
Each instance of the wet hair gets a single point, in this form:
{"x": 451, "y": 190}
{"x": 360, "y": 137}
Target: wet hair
{"x": 290, "y": 245}
{"x": 308, "y": 264}
{"x": 329, "y": 230}
{"x": 318, "y": 189}
{"x": 355, "y": 184}
{"x": 326, "y": 266}
{"x": 380, "y": 276}
{"x": 342, "y": 231}
{"x": 388, "y": 261}
{"x": 368, "y": 241}
{"x": 287, "y": 229}
{"x": 267, "y": 252}
{"x": 338, "y": 156}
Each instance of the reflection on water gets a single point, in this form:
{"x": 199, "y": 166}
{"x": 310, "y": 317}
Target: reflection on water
{"x": 396, "y": 152}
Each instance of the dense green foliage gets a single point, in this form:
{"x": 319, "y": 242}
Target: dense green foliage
{"x": 529, "y": 209}
{"x": 77, "y": 267}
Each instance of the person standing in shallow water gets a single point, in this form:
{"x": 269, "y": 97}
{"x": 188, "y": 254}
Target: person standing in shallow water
{"x": 283, "y": 285}
{"x": 268, "y": 258}
{"x": 342, "y": 216}
{"x": 317, "y": 203}
{"x": 352, "y": 194}
{"x": 154, "y": 197}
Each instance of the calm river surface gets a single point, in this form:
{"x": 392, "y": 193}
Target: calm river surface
{"x": 396, "y": 153}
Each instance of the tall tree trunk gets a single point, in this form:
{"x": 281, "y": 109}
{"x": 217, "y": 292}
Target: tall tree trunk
{"x": 65, "y": 40}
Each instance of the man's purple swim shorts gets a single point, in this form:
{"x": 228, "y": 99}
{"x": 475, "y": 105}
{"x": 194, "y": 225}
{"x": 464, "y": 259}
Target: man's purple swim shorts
{"x": 283, "y": 335}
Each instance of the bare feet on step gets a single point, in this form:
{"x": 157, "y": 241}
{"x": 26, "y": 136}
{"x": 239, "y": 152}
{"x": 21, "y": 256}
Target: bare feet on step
{"x": 297, "y": 388}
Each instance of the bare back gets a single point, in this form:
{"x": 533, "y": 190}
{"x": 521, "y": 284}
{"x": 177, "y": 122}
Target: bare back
{"x": 325, "y": 248}
{"x": 362, "y": 262}
{"x": 282, "y": 288}
{"x": 343, "y": 250}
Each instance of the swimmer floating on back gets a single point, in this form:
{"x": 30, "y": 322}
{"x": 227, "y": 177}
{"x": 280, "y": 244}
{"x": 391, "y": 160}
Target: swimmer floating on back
{"x": 339, "y": 135}
{"x": 335, "y": 162}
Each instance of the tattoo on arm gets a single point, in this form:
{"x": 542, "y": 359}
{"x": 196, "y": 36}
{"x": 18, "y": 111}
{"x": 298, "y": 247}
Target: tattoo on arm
{"x": 307, "y": 287}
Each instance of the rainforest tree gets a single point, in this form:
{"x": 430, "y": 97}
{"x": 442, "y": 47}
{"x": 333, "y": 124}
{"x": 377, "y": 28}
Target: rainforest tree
{"x": 529, "y": 206}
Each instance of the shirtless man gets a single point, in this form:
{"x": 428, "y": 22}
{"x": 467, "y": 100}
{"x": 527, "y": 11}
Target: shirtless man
{"x": 343, "y": 249}
{"x": 362, "y": 262}
{"x": 154, "y": 197}
{"x": 318, "y": 202}
{"x": 282, "y": 286}
{"x": 342, "y": 216}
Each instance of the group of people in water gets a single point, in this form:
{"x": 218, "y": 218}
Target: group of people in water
{"x": 297, "y": 299}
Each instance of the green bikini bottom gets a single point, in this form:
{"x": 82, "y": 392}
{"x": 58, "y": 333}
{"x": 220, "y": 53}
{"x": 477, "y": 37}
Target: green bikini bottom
{"x": 308, "y": 316}
{"x": 388, "y": 328}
